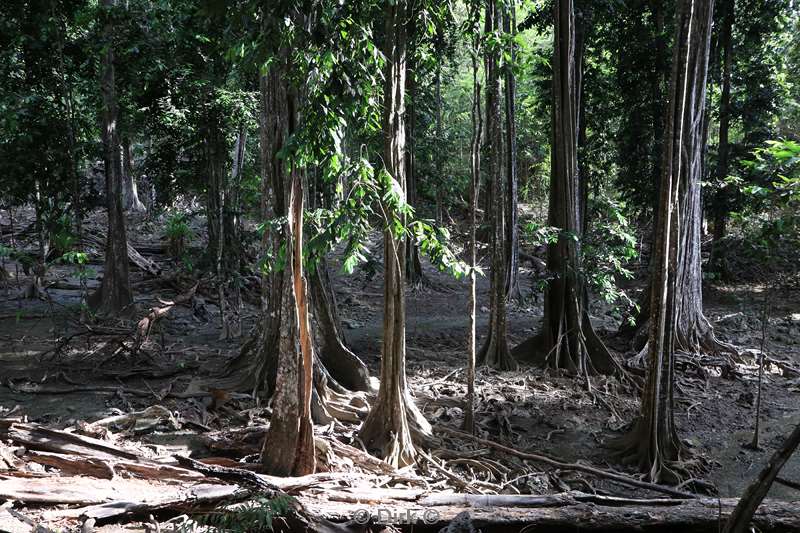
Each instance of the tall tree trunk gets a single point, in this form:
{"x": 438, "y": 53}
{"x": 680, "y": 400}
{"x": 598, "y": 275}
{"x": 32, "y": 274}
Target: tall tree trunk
{"x": 659, "y": 88}
{"x": 231, "y": 224}
{"x": 475, "y": 180}
{"x": 413, "y": 263}
{"x": 512, "y": 231}
{"x": 723, "y": 164}
{"x": 394, "y": 419}
{"x": 130, "y": 191}
{"x": 114, "y": 295}
{"x": 654, "y": 443}
{"x": 582, "y": 21}
{"x": 495, "y": 351}
{"x": 439, "y": 154}
{"x": 220, "y": 240}
{"x": 568, "y": 340}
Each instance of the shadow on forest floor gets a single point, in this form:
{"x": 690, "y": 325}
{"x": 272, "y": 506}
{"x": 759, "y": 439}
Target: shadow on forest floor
{"x": 528, "y": 409}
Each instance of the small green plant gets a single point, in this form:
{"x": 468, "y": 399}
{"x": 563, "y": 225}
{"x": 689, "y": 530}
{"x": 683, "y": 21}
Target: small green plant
{"x": 83, "y": 272}
{"x": 779, "y": 161}
{"x": 178, "y": 234}
{"x": 253, "y": 516}
{"x": 62, "y": 239}
{"x": 607, "y": 249}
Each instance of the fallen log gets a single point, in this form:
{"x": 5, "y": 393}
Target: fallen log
{"x": 99, "y": 241}
{"x": 556, "y": 513}
{"x": 146, "y": 324}
{"x": 78, "y": 454}
{"x": 235, "y": 475}
{"x": 613, "y": 476}
{"x": 36, "y": 388}
{"x": 200, "y": 496}
{"x": 36, "y": 437}
{"x": 88, "y": 466}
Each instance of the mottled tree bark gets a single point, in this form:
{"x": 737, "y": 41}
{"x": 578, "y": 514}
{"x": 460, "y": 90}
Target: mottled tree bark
{"x": 568, "y": 340}
{"x": 394, "y": 421}
{"x": 654, "y": 444}
{"x": 495, "y": 351}
{"x": 114, "y": 295}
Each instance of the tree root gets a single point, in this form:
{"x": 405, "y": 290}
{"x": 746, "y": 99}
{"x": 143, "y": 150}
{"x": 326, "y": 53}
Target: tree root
{"x": 676, "y": 466}
{"x": 496, "y": 354}
{"x": 613, "y": 476}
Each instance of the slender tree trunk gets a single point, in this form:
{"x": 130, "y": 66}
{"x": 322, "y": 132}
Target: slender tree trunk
{"x": 220, "y": 240}
{"x": 659, "y": 88}
{"x": 130, "y": 191}
{"x": 394, "y": 419}
{"x": 439, "y": 154}
{"x": 231, "y": 223}
{"x": 413, "y": 263}
{"x": 512, "y": 230}
{"x": 68, "y": 102}
{"x": 114, "y": 295}
{"x": 581, "y": 27}
{"x": 723, "y": 164}
{"x": 739, "y": 520}
{"x": 654, "y": 443}
{"x": 495, "y": 351}
{"x": 568, "y": 340}
{"x": 475, "y": 177}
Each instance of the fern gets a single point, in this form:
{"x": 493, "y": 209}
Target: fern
{"x": 255, "y": 515}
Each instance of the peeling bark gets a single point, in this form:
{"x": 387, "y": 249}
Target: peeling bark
{"x": 337, "y": 371}
{"x": 289, "y": 443}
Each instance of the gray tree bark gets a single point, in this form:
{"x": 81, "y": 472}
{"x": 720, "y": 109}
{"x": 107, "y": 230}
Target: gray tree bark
{"x": 336, "y": 370}
{"x": 475, "y": 180}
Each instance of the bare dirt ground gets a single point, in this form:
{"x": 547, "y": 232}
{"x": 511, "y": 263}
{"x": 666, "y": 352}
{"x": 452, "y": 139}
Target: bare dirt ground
{"x": 59, "y": 373}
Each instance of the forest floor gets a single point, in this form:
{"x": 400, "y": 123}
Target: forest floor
{"x": 60, "y": 374}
